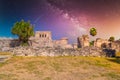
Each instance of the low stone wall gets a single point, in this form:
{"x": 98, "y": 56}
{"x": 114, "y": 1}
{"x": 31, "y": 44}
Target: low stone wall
{"x": 4, "y": 43}
{"x": 5, "y": 46}
{"x": 30, "y": 51}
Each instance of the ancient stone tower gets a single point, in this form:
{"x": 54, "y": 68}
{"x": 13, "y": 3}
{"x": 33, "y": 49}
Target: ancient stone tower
{"x": 83, "y": 41}
{"x": 42, "y": 39}
{"x": 101, "y": 43}
{"x": 43, "y": 35}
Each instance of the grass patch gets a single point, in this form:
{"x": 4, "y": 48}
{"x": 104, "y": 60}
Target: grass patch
{"x": 49, "y": 68}
{"x": 56, "y": 66}
{"x": 47, "y": 78}
{"x": 2, "y": 64}
{"x": 118, "y": 54}
{"x": 5, "y": 53}
{"x": 7, "y": 77}
{"x": 30, "y": 66}
{"x": 111, "y": 75}
{"x": 102, "y": 64}
{"x": 42, "y": 62}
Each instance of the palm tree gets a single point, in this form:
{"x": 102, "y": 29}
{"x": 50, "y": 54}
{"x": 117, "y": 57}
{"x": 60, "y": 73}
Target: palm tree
{"x": 112, "y": 39}
{"x": 93, "y": 32}
{"x": 24, "y": 30}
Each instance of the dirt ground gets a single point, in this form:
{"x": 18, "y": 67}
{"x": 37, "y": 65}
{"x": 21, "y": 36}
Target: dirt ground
{"x": 60, "y": 68}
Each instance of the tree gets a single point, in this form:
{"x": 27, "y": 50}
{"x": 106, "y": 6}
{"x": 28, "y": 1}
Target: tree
{"x": 91, "y": 43}
{"x": 24, "y": 30}
{"x": 111, "y": 39}
{"x": 93, "y": 32}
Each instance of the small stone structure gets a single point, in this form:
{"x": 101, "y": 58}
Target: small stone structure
{"x": 101, "y": 43}
{"x": 62, "y": 43}
{"x": 41, "y": 39}
{"x": 75, "y": 45}
{"x": 83, "y": 41}
{"x": 104, "y": 43}
{"x": 115, "y": 45}
{"x": 43, "y": 45}
{"x": 44, "y": 39}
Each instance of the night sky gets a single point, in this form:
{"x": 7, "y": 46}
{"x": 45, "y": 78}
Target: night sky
{"x": 65, "y": 18}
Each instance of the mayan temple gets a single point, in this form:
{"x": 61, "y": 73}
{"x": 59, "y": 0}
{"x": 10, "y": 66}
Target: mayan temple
{"x": 44, "y": 39}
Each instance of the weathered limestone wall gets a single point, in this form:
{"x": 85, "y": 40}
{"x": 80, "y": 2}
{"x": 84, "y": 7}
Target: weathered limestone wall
{"x": 44, "y": 39}
{"x": 43, "y": 35}
{"x": 83, "y": 41}
{"x": 101, "y": 43}
{"x": 115, "y": 46}
{"x": 47, "y": 51}
{"x": 30, "y": 51}
{"x": 62, "y": 43}
{"x": 51, "y": 51}
{"x": 6, "y": 44}
{"x": 75, "y": 46}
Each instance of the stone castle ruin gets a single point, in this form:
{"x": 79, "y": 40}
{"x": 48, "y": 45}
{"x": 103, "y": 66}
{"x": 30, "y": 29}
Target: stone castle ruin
{"x": 83, "y": 41}
{"x": 101, "y": 43}
{"x": 43, "y": 44}
{"x": 42, "y": 39}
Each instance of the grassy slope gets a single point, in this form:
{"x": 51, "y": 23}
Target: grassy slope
{"x": 5, "y": 53}
{"x": 60, "y": 68}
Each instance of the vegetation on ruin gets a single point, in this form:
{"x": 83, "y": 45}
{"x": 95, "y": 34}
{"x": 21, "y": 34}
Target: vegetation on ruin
{"x": 24, "y": 30}
{"x": 91, "y": 43}
{"x": 62, "y": 68}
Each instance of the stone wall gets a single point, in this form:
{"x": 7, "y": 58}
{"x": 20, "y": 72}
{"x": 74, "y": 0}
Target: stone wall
{"x": 62, "y": 43}
{"x": 46, "y": 35}
{"x": 44, "y": 39}
{"x": 5, "y": 44}
{"x": 115, "y": 45}
{"x": 30, "y": 51}
{"x": 50, "y": 51}
{"x": 75, "y": 45}
{"x": 101, "y": 43}
{"x": 83, "y": 41}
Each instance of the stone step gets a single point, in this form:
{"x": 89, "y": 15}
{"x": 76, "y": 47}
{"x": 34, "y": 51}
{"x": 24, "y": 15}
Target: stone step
{"x": 4, "y": 58}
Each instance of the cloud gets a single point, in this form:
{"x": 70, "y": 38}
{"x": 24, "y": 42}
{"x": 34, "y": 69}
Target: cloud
{"x": 6, "y": 38}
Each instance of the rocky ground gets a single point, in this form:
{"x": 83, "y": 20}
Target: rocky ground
{"x": 60, "y": 68}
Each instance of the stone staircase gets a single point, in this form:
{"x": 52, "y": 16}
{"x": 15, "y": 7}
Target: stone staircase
{"x": 3, "y": 58}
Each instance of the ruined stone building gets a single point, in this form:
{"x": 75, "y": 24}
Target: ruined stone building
{"x": 83, "y": 41}
{"x": 44, "y": 39}
{"x": 116, "y": 45}
{"x": 101, "y": 43}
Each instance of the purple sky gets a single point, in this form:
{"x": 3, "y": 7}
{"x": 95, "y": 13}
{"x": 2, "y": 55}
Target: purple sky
{"x": 65, "y": 18}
